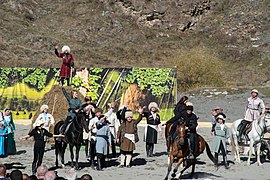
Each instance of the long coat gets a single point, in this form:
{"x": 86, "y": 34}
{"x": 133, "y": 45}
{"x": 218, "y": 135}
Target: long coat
{"x": 10, "y": 127}
{"x": 128, "y": 128}
{"x": 152, "y": 128}
{"x": 68, "y": 62}
{"x": 220, "y": 137}
{"x": 103, "y": 138}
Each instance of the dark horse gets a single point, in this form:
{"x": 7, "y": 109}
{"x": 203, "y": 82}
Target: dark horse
{"x": 180, "y": 150}
{"x": 73, "y": 137}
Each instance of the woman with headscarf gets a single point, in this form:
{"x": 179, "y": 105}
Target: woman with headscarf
{"x": 10, "y": 128}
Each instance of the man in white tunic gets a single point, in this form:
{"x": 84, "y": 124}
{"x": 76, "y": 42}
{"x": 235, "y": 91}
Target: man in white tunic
{"x": 46, "y": 118}
{"x": 254, "y": 108}
{"x": 114, "y": 124}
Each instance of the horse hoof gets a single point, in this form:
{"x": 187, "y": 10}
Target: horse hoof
{"x": 259, "y": 164}
{"x": 173, "y": 175}
{"x": 62, "y": 165}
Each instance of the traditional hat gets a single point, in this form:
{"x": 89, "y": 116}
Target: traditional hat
{"x": 220, "y": 117}
{"x": 153, "y": 104}
{"x": 128, "y": 114}
{"x": 39, "y": 123}
{"x": 65, "y": 48}
{"x": 43, "y": 107}
{"x": 255, "y": 90}
{"x": 189, "y": 106}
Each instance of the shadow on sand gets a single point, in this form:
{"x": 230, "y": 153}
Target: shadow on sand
{"x": 14, "y": 165}
{"x": 200, "y": 175}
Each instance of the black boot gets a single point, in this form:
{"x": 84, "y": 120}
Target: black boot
{"x": 151, "y": 149}
{"x": 240, "y": 133}
{"x": 92, "y": 164}
{"x": 99, "y": 163}
{"x": 147, "y": 150}
{"x": 225, "y": 161}
{"x": 216, "y": 163}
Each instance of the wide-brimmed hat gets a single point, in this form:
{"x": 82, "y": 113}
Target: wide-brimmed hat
{"x": 153, "y": 104}
{"x": 39, "y": 123}
{"x": 255, "y": 90}
{"x": 128, "y": 114}
{"x": 65, "y": 48}
{"x": 43, "y": 107}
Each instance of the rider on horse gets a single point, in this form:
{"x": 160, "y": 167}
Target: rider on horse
{"x": 179, "y": 109}
{"x": 75, "y": 105}
{"x": 254, "y": 108}
{"x": 191, "y": 123}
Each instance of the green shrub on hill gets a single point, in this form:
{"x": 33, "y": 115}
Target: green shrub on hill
{"x": 197, "y": 67}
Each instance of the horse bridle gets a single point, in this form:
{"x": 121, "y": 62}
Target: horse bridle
{"x": 264, "y": 127}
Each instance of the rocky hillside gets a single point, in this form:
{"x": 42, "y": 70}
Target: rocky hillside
{"x": 139, "y": 33}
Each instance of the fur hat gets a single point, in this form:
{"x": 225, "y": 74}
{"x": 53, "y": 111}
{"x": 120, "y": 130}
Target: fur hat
{"x": 64, "y": 48}
{"x": 128, "y": 114}
{"x": 43, "y": 107}
{"x": 153, "y": 104}
{"x": 189, "y": 106}
{"x": 255, "y": 90}
{"x": 39, "y": 123}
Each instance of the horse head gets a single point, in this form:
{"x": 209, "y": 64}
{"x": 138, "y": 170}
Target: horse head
{"x": 80, "y": 121}
{"x": 267, "y": 121}
{"x": 181, "y": 129}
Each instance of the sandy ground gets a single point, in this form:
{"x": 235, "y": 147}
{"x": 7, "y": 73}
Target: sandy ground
{"x": 155, "y": 167}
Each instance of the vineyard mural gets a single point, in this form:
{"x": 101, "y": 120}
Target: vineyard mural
{"x": 22, "y": 89}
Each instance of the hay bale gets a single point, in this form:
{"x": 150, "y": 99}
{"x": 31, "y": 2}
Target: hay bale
{"x": 57, "y": 103}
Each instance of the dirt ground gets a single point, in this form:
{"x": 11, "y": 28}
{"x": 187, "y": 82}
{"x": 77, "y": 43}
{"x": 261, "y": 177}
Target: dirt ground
{"x": 144, "y": 168}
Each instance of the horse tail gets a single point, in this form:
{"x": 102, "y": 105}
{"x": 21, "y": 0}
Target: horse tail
{"x": 209, "y": 154}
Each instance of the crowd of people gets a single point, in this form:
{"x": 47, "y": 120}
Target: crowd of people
{"x": 111, "y": 128}
{"x": 43, "y": 173}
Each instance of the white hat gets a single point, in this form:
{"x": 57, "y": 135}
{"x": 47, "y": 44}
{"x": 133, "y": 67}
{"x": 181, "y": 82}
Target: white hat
{"x": 128, "y": 114}
{"x": 64, "y": 48}
{"x": 255, "y": 90}
{"x": 153, "y": 104}
{"x": 220, "y": 117}
{"x": 39, "y": 123}
{"x": 189, "y": 104}
{"x": 43, "y": 107}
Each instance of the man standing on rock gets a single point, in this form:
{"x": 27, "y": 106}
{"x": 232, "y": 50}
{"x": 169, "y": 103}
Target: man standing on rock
{"x": 67, "y": 66}
{"x": 254, "y": 108}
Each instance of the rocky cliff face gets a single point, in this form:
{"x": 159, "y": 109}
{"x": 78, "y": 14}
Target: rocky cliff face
{"x": 134, "y": 32}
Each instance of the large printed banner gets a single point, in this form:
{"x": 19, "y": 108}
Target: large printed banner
{"x": 22, "y": 89}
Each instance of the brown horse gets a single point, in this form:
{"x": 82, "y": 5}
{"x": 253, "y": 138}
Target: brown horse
{"x": 180, "y": 150}
{"x": 167, "y": 132}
